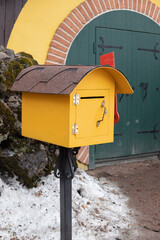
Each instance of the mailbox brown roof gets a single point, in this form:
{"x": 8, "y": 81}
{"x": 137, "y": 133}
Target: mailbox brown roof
{"x": 55, "y": 79}
{"x": 62, "y": 79}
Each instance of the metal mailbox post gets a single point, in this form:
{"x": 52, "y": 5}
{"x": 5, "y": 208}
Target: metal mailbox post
{"x": 70, "y": 106}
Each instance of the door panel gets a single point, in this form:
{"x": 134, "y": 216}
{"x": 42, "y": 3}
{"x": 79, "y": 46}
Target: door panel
{"x": 137, "y": 132}
{"x": 90, "y": 110}
{"x": 137, "y": 56}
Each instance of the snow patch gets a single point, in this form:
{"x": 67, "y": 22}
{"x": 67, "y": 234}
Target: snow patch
{"x": 99, "y": 210}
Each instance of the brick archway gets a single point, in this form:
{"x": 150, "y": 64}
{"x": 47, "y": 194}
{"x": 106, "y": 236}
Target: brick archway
{"x": 83, "y": 14}
{"x": 78, "y": 19}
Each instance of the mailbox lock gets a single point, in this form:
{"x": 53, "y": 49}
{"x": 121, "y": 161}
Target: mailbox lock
{"x": 105, "y": 112}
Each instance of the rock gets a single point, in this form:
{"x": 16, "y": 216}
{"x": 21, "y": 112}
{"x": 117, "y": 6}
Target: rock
{"x": 10, "y": 53}
{"x": 25, "y": 158}
{"x": 2, "y": 48}
{"x": 11, "y": 72}
{"x": 18, "y": 126}
{"x": 3, "y": 56}
{"x": 7, "y": 153}
{"x": 7, "y": 122}
{"x": 34, "y": 163}
{"x": 3, "y": 137}
{"x": 42, "y": 147}
{"x": 14, "y": 102}
{"x": 28, "y": 167}
{"x": 3, "y": 67}
{"x": 2, "y": 88}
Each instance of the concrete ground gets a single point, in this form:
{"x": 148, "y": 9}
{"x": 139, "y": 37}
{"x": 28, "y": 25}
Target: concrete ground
{"x": 140, "y": 182}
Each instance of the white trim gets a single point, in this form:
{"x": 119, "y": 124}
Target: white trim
{"x": 100, "y": 6}
{"x": 118, "y": 4}
{"x": 66, "y": 32}
{"x": 154, "y": 11}
{"x": 133, "y": 4}
{"x": 104, "y": 5}
{"x": 58, "y": 50}
{"x": 52, "y": 54}
{"x": 61, "y": 37}
{"x": 129, "y": 4}
{"x": 141, "y": 5}
{"x": 59, "y": 43}
{"x": 114, "y": 4}
{"x": 85, "y": 11}
{"x": 95, "y": 7}
{"x": 145, "y": 7}
{"x": 109, "y": 4}
{"x": 80, "y": 155}
{"x": 90, "y": 8}
{"x": 137, "y": 5}
{"x": 73, "y": 22}
{"x": 77, "y": 18}
{"x": 87, "y": 156}
{"x": 81, "y": 14}
{"x": 150, "y": 9}
{"x": 123, "y": 4}
{"x": 157, "y": 16}
{"x": 69, "y": 27}
{"x": 55, "y": 63}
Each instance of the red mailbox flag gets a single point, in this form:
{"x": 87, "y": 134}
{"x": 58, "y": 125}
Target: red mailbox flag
{"x": 108, "y": 59}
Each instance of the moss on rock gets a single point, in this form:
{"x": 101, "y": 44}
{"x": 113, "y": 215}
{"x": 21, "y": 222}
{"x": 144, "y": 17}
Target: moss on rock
{"x": 1, "y": 79}
{"x": 13, "y": 69}
{"x": 26, "y": 62}
{"x": 26, "y": 158}
{"x": 29, "y": 56}
{"x": 12, "y": 167}
{"x": 7, "y": 120}
{"x": 24, "y": 145}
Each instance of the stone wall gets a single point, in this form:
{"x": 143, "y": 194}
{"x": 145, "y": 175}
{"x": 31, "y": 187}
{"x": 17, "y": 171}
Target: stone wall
{"x": 26, "y": 158}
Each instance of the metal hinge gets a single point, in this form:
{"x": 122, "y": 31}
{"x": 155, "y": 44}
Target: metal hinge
{"x": 75, "y": 129}
{"x": 75, "y": 99}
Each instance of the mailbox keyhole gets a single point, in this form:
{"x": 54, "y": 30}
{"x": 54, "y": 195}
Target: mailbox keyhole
{"x": 105, "y": 112}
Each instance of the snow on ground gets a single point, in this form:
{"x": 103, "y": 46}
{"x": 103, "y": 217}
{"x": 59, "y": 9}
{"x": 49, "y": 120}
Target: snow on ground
{"x": 99, "y": 210}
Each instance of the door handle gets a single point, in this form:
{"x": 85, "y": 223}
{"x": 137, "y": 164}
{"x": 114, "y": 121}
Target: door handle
{"x": 105, "y": 112}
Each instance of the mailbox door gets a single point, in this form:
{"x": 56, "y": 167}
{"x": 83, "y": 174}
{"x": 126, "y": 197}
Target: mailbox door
{"x": 93, "y": 107}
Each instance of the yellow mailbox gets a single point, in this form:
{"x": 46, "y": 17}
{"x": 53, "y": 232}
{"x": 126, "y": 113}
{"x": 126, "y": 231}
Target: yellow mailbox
{"x": 70, "y": 106}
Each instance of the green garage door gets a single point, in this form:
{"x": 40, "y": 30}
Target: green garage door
{"x": 135, "y": 41}
{"x": 137, "y": 57}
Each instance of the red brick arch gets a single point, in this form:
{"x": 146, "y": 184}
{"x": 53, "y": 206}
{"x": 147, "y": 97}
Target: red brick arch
{"x": 78, "y": 19}
{"x": 83, "y": 14}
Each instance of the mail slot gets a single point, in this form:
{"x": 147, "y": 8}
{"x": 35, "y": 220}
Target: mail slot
{"x": 70, "y": 106}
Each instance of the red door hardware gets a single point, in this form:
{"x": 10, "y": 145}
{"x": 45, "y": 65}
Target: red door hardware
{"x": 108, "y": 59}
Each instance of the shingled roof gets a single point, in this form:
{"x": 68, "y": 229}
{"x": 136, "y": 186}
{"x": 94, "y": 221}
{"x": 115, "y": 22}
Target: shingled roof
{"x": 54, "y": 79}
{"x": 62, "y": 79}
